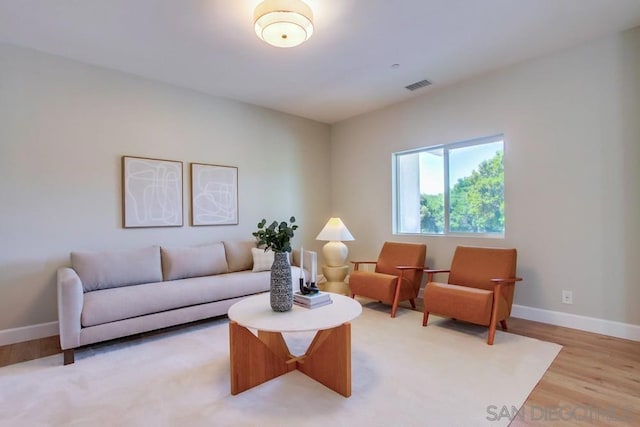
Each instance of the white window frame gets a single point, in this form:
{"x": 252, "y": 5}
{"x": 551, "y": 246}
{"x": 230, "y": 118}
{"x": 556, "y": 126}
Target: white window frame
{"x": 445, "y": 148}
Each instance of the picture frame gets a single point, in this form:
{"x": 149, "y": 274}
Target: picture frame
{"x": 151, "y": 192}
{"x": 214, "y": 194}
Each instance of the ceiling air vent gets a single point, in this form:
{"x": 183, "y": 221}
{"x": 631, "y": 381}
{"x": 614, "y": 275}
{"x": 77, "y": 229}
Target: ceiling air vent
{"x": 418, "y": 85}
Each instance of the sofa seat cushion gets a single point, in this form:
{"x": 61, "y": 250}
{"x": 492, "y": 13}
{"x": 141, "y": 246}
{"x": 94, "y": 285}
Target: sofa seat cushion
{"x": 105, "y": 270}
{"x": 110, "y": 305}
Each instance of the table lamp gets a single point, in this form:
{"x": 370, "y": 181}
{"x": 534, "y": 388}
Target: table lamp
{"x": 335, "y": 254}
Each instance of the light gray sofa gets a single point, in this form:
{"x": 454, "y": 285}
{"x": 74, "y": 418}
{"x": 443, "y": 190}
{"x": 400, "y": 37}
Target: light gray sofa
{"x": 107, "y": 295}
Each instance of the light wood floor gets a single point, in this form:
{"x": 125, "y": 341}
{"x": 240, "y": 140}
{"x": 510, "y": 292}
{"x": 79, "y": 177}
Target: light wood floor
{"x": 29, "y": 350}
{"x": 595, "y": 380}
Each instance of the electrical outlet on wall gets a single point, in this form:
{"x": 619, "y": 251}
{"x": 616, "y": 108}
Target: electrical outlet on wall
{"x": 567, "y": 297}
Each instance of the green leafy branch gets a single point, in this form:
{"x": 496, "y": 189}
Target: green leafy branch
{"x": 277, "y": 236}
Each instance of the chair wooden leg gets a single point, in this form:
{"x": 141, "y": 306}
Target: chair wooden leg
{"x": 413, "y": 303}
{"x": 494, "y": 314}
{"x": 69, "y": 356}
{"x": 492, "y": 333}
{"x": 503, "y": 323}
{"x": 425, "y": 317}
{"x": 396, "y": 298}
{"x": 353, "y": 296}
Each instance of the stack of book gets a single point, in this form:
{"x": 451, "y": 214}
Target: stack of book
{"x": 311, "y": 300}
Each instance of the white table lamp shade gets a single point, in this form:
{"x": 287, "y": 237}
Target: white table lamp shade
{"x": 335, "y": 252}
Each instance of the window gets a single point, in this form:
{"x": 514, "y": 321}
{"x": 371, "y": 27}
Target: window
{"x": 453, "y": 188}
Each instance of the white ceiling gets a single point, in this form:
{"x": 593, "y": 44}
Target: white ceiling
{"x": 342, "y": 71}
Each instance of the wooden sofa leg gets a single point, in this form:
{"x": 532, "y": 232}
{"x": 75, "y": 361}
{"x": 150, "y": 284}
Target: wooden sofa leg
{"x": 503, "y": 323}
{"x": 425, "y": 318}
{"x": 69, "y": 356}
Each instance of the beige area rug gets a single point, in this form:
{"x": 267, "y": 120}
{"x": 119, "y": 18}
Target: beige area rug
{"x": 402, "y": 374}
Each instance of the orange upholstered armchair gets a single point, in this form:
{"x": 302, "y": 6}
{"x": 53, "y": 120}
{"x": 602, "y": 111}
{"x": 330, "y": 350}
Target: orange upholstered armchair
{"x": 397, "y": 277}
{"x": 479, "y": 290}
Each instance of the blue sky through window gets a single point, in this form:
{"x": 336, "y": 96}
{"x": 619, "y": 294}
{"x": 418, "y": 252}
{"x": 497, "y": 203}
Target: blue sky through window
{"x": 462, "y": 161}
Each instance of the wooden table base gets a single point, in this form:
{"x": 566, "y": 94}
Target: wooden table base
{"x": 255, "y": 360}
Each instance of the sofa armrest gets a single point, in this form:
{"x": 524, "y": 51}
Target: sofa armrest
{"x": 70, "y": 301}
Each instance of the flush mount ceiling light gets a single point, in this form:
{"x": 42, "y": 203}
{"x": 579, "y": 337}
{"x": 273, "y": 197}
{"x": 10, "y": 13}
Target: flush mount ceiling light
{"x": 283, "y": 23}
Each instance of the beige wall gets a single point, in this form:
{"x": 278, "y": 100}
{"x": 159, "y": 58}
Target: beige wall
{"x": 572, "y": 162}
{"x": 63, "y": 129}
{"x": 572, "y": 172}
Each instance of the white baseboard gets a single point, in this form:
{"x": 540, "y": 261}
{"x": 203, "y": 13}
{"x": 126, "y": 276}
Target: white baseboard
{"x": 28, "y": 333}
{"x": 575, "y": 321}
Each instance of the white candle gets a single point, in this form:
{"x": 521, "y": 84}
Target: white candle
{"x": 302, "y": 264}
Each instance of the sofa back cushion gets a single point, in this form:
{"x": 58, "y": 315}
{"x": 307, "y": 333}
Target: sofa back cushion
{"x": 112, "y": 269}
{"x": 195, "y": 261}
{"x": 239, "y": 254}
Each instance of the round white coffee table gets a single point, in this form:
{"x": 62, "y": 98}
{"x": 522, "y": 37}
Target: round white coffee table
{"x": 257, "y": 359}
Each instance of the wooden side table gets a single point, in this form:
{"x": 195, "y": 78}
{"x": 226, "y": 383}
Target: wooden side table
{"x": 258, "y": 359}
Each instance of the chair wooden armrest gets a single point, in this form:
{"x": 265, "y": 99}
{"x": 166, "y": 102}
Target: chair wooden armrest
{"x": 511, "y": 280}
{"x": 431, "y": 272}
{"x": 426, "y": 270}
{"x": 356, "y": 264}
